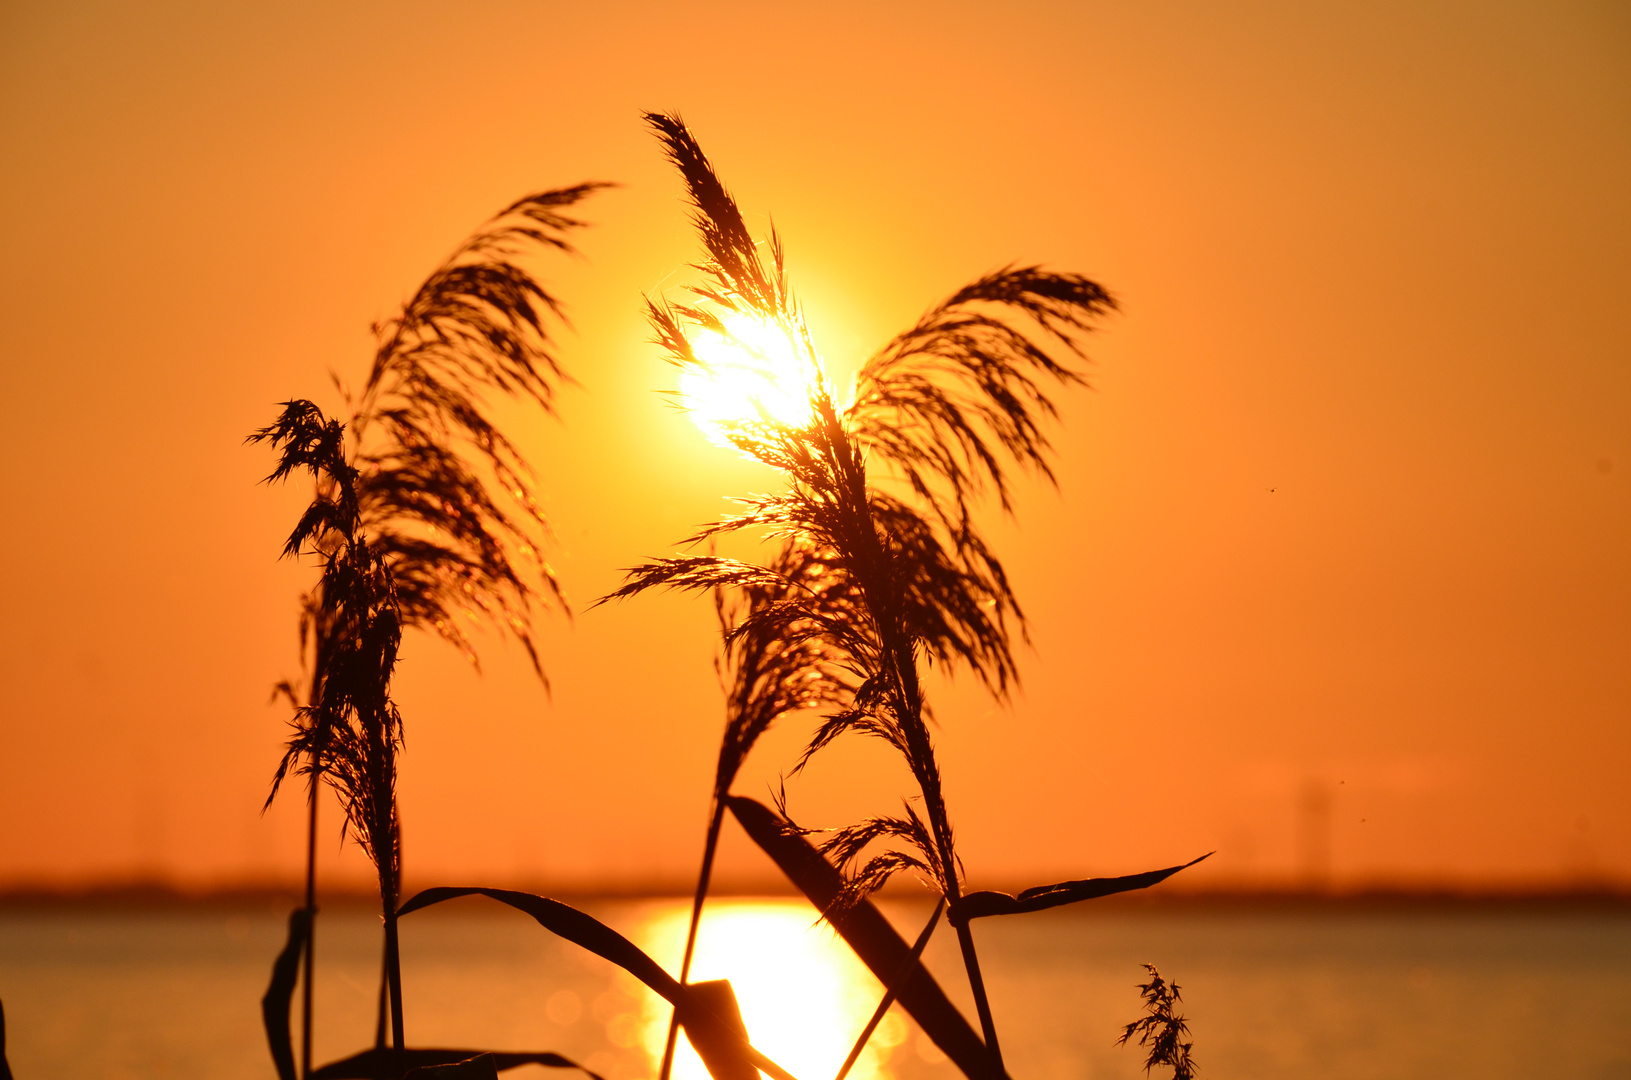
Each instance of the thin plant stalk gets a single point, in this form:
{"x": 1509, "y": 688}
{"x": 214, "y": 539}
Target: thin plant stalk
{"x": 350, "y": 733}
{"x": 898, "y": 980}
{"x": 900, "y": 667}
{"x": 716, "y": 819}
{"x": 383, "y": 1010}
{"x": 982, "y": 1004}
{"x": 393, "y": 971}
{"x": 311, "y": 916}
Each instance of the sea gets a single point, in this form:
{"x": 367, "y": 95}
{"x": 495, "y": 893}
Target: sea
{"x": 1270, "y": 991}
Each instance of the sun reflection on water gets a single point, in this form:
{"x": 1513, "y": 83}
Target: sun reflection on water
{"x": 804, "y": 995}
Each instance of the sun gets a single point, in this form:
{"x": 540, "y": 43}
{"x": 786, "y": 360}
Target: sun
{"x": 804, "y": 996}
{"x": 754, "y": 372}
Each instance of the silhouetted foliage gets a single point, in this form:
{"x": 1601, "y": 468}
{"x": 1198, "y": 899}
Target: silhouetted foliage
{"x": 1164, "y": 1030}
{"x": 865, "y": 929}
{"x": 425, "y": 516}
{"x": 978, "y": 905}
{"x": 707, "y": 1010}
{"x": 943, "y": 409}
{"x": 280, "y": 991}
{"x": 5, "y": 1066}
{"x": 460, "y": 542}
{"x": 426, "y": 1061}
{"x": 351, "y": 732}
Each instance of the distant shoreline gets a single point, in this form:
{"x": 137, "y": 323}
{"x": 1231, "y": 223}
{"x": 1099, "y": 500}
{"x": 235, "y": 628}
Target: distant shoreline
{"x": 150, "y": 895}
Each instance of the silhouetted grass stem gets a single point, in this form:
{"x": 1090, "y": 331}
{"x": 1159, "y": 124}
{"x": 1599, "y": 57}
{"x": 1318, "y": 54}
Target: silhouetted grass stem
{"x": 907, "y": 969}
{"x": 716, "y": 819}
{"x": 311, "y": 916}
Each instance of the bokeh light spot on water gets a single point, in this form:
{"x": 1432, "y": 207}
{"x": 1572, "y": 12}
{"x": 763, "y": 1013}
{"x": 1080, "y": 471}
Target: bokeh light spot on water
{"x": 563, "y": 1007}
{"x": 804, "y": 995}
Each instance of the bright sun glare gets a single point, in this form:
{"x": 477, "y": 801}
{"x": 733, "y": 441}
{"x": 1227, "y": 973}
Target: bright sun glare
{"x": 755, "y": 372}
{"x": 804, "y": 996}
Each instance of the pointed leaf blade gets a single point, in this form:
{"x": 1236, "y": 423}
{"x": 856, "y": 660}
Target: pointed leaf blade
{"x": 977, "y": 905}
{"x": 874, "y": 940}
{"x": 275, "y": 1002}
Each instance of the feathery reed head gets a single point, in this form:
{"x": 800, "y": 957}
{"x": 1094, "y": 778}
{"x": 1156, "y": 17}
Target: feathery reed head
{"x": 445, "y": 496}
{"x": 777, "y": 659}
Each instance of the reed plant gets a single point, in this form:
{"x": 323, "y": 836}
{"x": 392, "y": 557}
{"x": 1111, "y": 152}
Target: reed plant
{"x": 887, "y": 485}
{"x": 772, "y": 670}
{"x": 1163, "y": 1029}
{"x": 424, "y": 516}
{"x": 352, "y": 731}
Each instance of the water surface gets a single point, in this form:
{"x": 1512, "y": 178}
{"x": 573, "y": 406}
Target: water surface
{"x": 1343, "y": 993}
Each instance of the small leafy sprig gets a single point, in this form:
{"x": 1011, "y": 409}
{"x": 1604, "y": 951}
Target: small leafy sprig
{"x": 1164, "y": 1030}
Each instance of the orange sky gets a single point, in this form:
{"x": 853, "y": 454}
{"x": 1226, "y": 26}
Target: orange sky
{"x": 1345, "y": 521}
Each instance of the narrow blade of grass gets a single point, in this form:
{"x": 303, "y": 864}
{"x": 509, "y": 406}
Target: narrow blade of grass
{"x": 867, "y": 932}
{"x": 5, "y": 1067}
{"x": 700, "y": 1014}
{"x": 977, "y": 905}
{"x": 274, "y": 1004}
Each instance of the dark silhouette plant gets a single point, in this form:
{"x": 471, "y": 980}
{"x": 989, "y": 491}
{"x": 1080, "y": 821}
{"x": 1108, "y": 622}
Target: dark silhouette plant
{"x": 424, "y": 516}
{"x": 887, "y": 486}
{"x": 1163, "y": 1030}
{"x": 352, "y": 732}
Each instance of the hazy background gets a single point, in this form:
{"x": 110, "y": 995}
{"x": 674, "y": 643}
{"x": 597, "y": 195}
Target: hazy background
{"x": 1337, "y": 580}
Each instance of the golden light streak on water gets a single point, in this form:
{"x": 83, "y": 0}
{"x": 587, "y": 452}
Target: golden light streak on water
{"x": 804, "y": 995}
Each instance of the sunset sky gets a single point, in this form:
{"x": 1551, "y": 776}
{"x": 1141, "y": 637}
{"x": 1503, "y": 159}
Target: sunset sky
{"x": 1337, "y": 576}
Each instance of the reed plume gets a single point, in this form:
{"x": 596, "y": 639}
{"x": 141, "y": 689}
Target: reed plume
{"x": 442, "y": 502}
{"x": 446, "y": 497}
{"x": 941, "y": 414}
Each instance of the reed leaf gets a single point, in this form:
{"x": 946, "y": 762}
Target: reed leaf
{"x": 865, "y": 929}
{"x": 280, "y": 993}
{"x": 714, "y": 1031}
{"x": 978, "y": 905}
